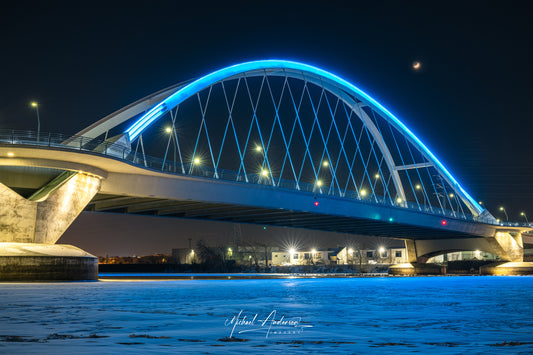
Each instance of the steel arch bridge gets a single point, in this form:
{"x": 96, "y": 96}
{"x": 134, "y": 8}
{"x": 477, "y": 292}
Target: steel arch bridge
{"x": 288, "y": 125}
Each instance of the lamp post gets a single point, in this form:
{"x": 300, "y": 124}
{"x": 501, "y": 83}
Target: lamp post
{"x": 505, "y": 212}
{"x": 36, "y": 105}
{"x": 523, "y": 214}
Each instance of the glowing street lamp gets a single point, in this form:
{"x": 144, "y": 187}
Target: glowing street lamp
{"x": 523, "y": 214}
{"x": 36, "y": 106}
{"x": 168, "y": 130}
{"x": 258, "y": 148}
{"x": 325, "y": 164}
{"x": 196, "y": 161}
{"x": 362, "y": 192}
{"x": 505, "y": 212}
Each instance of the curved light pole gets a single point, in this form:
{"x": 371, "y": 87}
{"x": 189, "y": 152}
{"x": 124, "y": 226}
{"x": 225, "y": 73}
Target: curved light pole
{"x": 504, "y": 211}
{"x": 36, "y": 105}
{"x": 523, "y": 214}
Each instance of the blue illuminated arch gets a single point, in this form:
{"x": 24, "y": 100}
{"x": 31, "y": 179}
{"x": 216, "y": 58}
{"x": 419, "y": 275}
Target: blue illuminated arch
{"x": 323, "y": 76}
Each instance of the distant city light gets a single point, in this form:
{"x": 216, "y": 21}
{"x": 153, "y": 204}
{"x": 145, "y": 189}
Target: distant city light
{"x": 319, "y": 183}
{"x": 418, "y": 187}
{"x": 258, "y": 148}
{"x": 264, "y": 172}
{"x": 325, "y": 163}
{"x": 381, "y": 250}
{"x": 196, "y": 160}
{"x": 377, "y": 176}
{"x": 168, "y": 129}
{"x": 363, "y": 192}
{"x": 350, "y": 251}
{"x": 452, "y": 195}
{"x": 10, "y": 154}
{"x": 398, "y": 200}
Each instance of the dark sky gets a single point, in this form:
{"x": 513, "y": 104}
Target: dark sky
{"x": 471, "y": 103}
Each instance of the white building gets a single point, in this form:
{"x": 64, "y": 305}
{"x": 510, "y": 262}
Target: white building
{"x": 340, "y": 256}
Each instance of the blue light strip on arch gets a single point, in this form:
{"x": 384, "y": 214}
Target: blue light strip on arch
{"x": 182, "y": 94}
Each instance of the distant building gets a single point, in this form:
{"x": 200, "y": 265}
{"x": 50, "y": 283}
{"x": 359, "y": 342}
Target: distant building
{"x": 463, "y": 255}
{"x": 340, "y": 256}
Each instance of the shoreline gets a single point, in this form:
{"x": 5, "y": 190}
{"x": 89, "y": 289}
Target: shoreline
{"x": 189, "y": 277}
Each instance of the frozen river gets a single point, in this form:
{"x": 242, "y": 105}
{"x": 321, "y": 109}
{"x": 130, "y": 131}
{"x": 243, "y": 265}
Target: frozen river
{"x": 454, "y": 315}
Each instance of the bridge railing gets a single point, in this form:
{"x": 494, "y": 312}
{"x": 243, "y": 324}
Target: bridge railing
{"x": 123, "y": 152}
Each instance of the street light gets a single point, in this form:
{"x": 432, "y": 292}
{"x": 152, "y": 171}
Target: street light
{"x": 505, "y": 212}
{"x": 36, "y": 105}
{"x": 523, "y": 214}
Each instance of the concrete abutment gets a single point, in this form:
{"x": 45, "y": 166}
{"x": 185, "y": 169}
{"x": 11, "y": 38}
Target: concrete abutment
{"x": 29, "y": 227}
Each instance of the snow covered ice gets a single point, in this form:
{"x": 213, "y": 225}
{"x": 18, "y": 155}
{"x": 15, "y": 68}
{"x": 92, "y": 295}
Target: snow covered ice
{"x": 329, "y": 315}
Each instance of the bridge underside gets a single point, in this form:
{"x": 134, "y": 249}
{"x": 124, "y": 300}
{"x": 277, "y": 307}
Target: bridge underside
{"x": 267, "y": 216}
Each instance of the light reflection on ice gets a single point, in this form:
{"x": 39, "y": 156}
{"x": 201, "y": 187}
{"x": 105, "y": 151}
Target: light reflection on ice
{"x": 361, "y": 315}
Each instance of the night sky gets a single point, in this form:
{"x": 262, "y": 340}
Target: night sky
{"x": 470, "y": 103}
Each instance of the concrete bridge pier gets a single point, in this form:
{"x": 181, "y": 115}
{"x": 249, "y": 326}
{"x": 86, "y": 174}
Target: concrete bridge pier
{"x": 30, "y": 227}
{"x": 506, "y": 244}
{"x": 416, "y": 264}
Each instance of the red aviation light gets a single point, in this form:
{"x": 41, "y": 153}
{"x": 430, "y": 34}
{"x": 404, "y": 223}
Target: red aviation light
{"x": 316, "y": 203}
{"x": 444, "y": 222}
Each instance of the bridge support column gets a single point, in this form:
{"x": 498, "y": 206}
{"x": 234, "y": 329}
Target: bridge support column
{"x": 29, "y": 228}
{"x": 416, "y": 263}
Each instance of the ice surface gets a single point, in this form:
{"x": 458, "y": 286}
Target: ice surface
{"x": 387, "y": 315}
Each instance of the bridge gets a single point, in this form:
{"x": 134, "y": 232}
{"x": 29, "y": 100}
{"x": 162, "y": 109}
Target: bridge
{"x": 269, "y": 142}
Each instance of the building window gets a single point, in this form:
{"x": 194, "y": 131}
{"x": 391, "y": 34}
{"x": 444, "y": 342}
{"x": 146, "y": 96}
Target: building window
{"x": 295, "y": 256}
{"x": 307, "y": 256}
{"x": 369, "y": 254}
{"x": 398, "y": 254}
